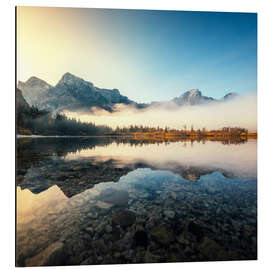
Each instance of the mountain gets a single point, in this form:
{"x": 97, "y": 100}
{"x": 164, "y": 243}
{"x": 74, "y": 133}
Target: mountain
{"x": 75, "y": 94}
{"x": 21, "y": 103}
{"x": 32, "y": 89}
{"x": 192, "y": 97}
{"x": 230, "y": 96}
{"x": 70, "y": 93}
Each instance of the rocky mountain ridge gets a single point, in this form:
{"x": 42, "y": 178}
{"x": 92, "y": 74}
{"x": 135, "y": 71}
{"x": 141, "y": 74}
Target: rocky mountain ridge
{"x": 74, "y": 93}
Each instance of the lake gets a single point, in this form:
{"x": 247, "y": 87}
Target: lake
{"x": 116, "y": 200}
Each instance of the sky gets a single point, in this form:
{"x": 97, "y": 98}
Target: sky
{"x": 147, "y": 55}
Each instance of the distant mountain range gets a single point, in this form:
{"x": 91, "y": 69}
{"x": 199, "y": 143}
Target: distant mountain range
{"x": 73, "y": 93}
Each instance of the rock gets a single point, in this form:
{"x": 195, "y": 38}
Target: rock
{"x": 107, "y": 237}
{"x": 114, "y": 196}
{"x": 248, "y": 228}
{"x": 173, "y": 195}
{"x": 92, "y": 215}
{"x": 161, "y": 235}
{"x": 138, "y": 227}
{"x": 188, "y": 251}
{"x": 90, "y": 230}
{"x": 182, "y": 240}
{"x": 122, "y": 245}
{"x": 143, "y": 195}
{"x": 151, "y": 258}
{"x": 99, "y": 246}
{"x": 139, "y": 255}
{"x": 209, "y": 248}
{"x": 88, "y": 261}
{"x": 169, "y": 213}
{"x": 213, "y": 251}
{"x": 116, "y": 235}
{"x": 117, "y": 254}
{"x": 196, "y": 230}
{"x": 100, "y": 258}
{"x": 103, "y": 205}
{"x": 176, "y": 254}
{"x": 128, "y": 254}
{"x": 108, "y": 228}
{"x": 100, "y": 228}
{"x": 124, "y": 218}
{"x": 51, "y": 256}
{"x": 141, "y": 239}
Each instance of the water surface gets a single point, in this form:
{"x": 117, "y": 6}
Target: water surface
{"x": 112, "y": 200}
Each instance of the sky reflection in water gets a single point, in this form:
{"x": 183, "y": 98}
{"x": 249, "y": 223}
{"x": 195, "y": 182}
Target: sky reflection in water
{"x": 203, "y": 182}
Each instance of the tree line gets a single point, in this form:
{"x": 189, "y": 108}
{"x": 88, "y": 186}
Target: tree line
{"x": 36, "y": 122}
{"x": 233, "y": 131}
{"x": 31, "y": 120}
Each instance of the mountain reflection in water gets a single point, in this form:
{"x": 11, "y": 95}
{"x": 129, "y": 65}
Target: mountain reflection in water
{"x": 191, "y": 201}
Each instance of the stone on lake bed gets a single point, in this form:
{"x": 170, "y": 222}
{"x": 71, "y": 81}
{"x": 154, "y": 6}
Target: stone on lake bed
{"x": 124, "y": 218}
{"x": 103, "y": 205}
{"x": 108, "y": 228}
{"x": 174, "y": 195}
{"x": 114, "y": 196}
{"x": 143, "y": 195}
{"x": 196, "y": 229}
{"x": 169, "y": 213}
{"x": 151, "y": 258}
{"x": 89, "y": 229}
{"x": 209, "y": 248}
{"x": 162, "y": 235}
{"x": 99, "y": 246}
{"x": 140, "y": 238}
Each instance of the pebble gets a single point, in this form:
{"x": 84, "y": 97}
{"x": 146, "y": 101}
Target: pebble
{"x": 169, "y": 213}
{"x": 124, "y": 218}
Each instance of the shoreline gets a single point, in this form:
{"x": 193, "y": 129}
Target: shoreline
{"x": 19, "y": 136}
{"x": 143, "y": 137}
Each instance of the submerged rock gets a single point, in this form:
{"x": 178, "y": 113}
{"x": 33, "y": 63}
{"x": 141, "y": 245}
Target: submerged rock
{"x": 196, "y": 230}
{"x": 162, "y": 235}
{"x": 209, "y": 248}
{"x": 124, "y": 218}
{"x": 169, "y": 213}
{"x": 99, "y": 246}
{"x": 108, "y": 229}
{"x": 174, "y": 195}
{"x": 141, "y": 238}
{"x": 103, "y": 205}
{"x": 151, "y": 258}
{"x": 114, "y": 196}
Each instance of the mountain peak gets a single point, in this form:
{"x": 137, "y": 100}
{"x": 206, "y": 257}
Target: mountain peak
{"x": 33, "y": 79}
{"x": 194, "y": 93}
{"x": 230, "y": 95}
{"x": 69, "y": 78}
{"x": 34, "y": 82}
{"x": 68, "y": 75}
{"x": 192, "y": 97}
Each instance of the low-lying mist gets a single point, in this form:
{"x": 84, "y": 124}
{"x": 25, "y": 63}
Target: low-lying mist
{"x": 240, "y": 111}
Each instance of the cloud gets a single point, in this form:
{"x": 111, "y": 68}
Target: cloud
{"x": 240, "y": 111}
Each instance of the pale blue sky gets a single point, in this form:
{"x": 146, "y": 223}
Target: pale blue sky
{"x": 147, "y": 55}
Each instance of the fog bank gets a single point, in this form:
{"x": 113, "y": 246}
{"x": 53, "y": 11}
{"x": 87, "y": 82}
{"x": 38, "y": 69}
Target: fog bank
{"x": 240, "y": 111}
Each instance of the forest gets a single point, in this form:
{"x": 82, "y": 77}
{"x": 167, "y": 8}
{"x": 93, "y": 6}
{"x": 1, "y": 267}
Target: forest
{"x": 32, "y": 121}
